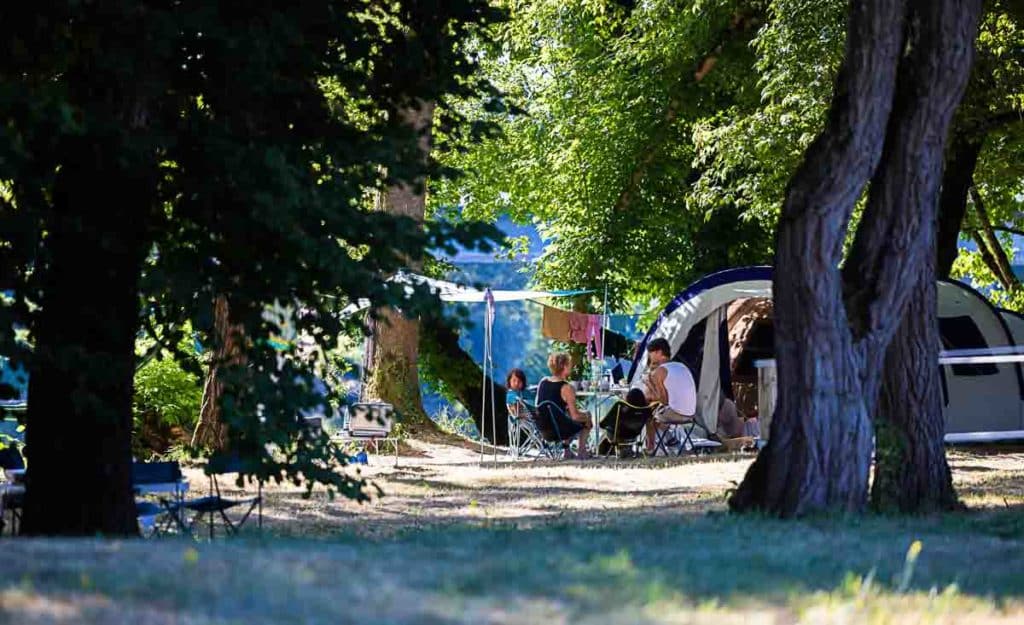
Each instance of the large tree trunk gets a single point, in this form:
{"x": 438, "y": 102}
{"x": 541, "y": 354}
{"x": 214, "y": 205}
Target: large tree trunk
{"x": 211, "y": 432}
{"x": 832, "y": 329}
{"x": 911, "y": 472}
{"x": 441, "y": 356}
{"x": 393, "y": 376}
{"x": 80, "y": 413}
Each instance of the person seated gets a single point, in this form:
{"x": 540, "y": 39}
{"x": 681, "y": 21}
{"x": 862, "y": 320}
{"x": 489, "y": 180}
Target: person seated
{"x": 626, "y": 419}
{"x": 569, "y": 421}
{"x": 515, "y": 383}
{"x": 730, "y": 423}
{"x": 671, "y": 385}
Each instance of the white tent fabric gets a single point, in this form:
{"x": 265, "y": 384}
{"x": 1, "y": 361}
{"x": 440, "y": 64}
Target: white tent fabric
{"x": 709, "y": 387}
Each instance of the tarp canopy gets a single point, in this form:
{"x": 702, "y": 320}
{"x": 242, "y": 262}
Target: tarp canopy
{"x": 459, "y": 293}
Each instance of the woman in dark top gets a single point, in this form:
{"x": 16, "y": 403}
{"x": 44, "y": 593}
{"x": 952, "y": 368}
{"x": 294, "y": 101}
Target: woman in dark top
{"x": 566, "y": 420}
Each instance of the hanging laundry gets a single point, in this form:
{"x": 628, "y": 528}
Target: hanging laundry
{"x": 555, "y": 324}
{"x": 594, "y": 336}
{"x": 617, "y": 345}
{"x": 579, "y": 325}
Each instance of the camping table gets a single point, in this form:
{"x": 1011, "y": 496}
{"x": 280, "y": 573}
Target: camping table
{"x": 597, "y": 398}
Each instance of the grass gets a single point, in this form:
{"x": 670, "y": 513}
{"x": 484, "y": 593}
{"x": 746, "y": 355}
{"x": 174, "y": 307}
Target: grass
{"x": 695, "y": 569}
{"x": 522, "y": 543}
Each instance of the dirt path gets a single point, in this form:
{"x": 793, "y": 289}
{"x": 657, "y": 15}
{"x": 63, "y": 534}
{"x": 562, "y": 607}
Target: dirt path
{"x": 446, "y": 484}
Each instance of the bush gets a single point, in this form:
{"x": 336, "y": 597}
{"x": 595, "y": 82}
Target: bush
{"x": 166, "y": 404}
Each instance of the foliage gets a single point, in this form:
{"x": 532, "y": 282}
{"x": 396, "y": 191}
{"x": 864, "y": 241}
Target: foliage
{"x": 601, "y": 153}
{"x": 251, "y": 138}
{"x": 164, "y": 388}
{"x": 651, "y": 177}
{"x": 166, "y": 401}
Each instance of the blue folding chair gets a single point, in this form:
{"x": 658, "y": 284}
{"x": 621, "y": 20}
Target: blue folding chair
{"x": 11, "y": 459}
{"x": 530, "y": 437}
{"x": 160, "y": 479}
{"x": 555, "y": 427}
{"x": 217, "y": 505}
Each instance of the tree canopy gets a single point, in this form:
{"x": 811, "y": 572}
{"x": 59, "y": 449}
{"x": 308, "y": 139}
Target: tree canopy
{"x": 157, "y": 155}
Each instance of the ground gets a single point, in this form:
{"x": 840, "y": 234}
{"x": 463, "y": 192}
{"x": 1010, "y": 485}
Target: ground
{"x": 452, "y": 541}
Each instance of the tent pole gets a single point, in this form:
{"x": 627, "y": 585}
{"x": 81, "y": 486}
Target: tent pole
{"x": 483, "y": 386}
{"x": 491, "y": 361}
{"x": 604, "y": 325}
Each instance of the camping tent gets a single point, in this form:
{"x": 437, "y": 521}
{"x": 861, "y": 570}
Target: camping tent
{"x": 983, "y": 401}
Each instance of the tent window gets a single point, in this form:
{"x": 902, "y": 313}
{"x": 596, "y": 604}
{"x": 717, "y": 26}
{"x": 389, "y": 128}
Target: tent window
{"x": 962, "y": 333}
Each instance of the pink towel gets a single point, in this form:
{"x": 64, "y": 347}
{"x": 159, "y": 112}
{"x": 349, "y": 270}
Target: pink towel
{"x": 586, "y": 329}
{"x": 579, "y": 324}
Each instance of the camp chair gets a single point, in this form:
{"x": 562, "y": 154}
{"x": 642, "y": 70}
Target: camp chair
{"x": 549, "y": 417}
{"x": 161, "y": 479}
{"x": 617, "y": 433}
{"x": 216, "y": 504}
{"x": 530, "y": 437}
{"x": 518, "y": 434}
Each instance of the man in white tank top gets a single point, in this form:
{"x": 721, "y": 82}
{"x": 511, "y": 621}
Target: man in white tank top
{"x": 670, "y": 384}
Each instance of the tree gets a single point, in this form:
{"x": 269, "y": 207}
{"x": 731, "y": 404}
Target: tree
{"x": 393, "y": 375}
{"x": 905, "y": 69}
{"x": 230, "y": 154}
{"x": 210, "y": 432}
{"x": 601, "y": 154}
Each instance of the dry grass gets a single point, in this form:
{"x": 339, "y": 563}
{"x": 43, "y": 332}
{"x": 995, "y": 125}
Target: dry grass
{"x": 589, "y": 542}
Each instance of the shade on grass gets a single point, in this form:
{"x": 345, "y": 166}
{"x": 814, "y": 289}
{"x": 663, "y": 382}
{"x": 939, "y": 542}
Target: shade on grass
{"x": 706, "y": 568}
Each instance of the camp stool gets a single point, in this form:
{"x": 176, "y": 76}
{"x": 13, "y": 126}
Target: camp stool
{"x": 534, "y": 441}
{"x": 615, "y": 443}
{"x": 686, "y": 425}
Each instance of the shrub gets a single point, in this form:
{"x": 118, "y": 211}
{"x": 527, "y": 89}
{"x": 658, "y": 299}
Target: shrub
{"x": 166, "y": 404}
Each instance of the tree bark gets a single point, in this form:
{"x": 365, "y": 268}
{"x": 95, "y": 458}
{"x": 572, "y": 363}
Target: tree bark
{"x": 832, "y": 328}
{"x": 81, "y": 385}
{"x": 393, "y": 375}
{"x": 211, "y": 432}
{"x": 441, "y": 356}
{"x": 911, "y": 472}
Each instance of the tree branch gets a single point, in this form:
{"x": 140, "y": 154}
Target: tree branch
{"x": 1005, "y": 273}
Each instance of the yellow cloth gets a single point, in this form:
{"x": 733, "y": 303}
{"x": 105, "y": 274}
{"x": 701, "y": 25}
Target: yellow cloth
{"x": 555, "y": 324}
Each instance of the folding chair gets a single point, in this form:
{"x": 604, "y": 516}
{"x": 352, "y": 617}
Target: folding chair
{"x": 216, "y": 504}
{"x": 531, "y": 437}
{"x": 687, "y": 424}
{"x": 11, "y": 499}
{"x": 617, "y": 433}
{"x": 159, "y": 478}
{"x": 549, "y": 415}
{"x": 518, "y": 434}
